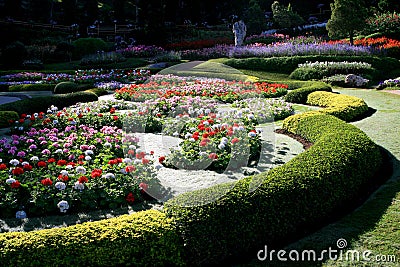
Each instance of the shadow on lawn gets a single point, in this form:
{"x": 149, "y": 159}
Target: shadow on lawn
{"x": 356, "y": 220}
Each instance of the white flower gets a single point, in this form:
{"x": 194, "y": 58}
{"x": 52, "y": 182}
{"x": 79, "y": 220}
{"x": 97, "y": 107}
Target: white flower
{"x": 34, "y": 158}
{"x": 109, "y": 175}
{"x": 175, "y": 134}
{"x": 63, "y": 206}
{"x": 192, "y": 140}
{"x": 107, "y": 145}
{"x": 192, "y": 129}
{"x": 14, "y": 162}
{"x": 203, "y": 153}
{"x": 123, "y": 171}
{"x": 88, "y": 152}
{"x": 58, "y": 151}
{"x": 137, "y": 161}
{"x": 188, "y": 135}
{"x": 88, "y": 158}
{"x": 206, "y": 123}
{"x": 25, "y": 163}
{"x": 80, "y": 170}
{"x": 127, "y": 160}
{"x": 69, "y": 167}
{"x": 224, "y": 140}
{"x": 79, "y": 186}
{"x": 1, "y": 160}
{"x": 20, "y": 214}
{"x": 221, "y": 146}
{"x": 60, "y": 185}
{"x": 10, "y": 180}
{"x": 55, "y": 121}
{"x": 133, "y": 147}
{"x": 64, "y": 172}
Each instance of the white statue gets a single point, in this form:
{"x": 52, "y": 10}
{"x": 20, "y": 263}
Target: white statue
{"x": 239, "y": 29}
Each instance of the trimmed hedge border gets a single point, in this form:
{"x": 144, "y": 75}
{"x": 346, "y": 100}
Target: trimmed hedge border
{"x": 32, "y": 105}
{"x": 287, "y": 201}
{"x": 300, "y": 95}
{"x": 137, "y": 239}
{"x": 31, "y": 87}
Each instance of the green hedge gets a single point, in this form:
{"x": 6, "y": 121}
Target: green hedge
{"x": 38, "y": 104}
{"x": 31, "y": 87}
{"x": 290, "y": 199}
{"x": 71, "y": 87}
{"x": 300, "y": 95}
{"x": 288, "y": 64}
{"x": 145, "y": 238}
{"x": 309, "y": 73}
{"x": 6, "y": 116}
{"x": 341, "y": 106}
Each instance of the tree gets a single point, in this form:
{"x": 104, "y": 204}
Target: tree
{"x": 348, "y": 17}
{"x": 255, "y": 18}
{"x": 285, "y": 17}
{"x": 389, "y": 5}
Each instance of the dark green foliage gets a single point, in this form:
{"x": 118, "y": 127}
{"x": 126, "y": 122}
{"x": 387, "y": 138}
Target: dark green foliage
{"x": 39, "y": 104}
{"x": 254, "y": 18}
{"x": 31, "y": 87}
{"x": 383, "y": 65}
{"x": 6, "y": 116}
{"x": 14, "y": 54}
{"x": 71, "y": 87}
{"x": 98, "y": 91}
{"x": 348, "y": 16}
{"x": 300, "y": 95}
{"x": 87, "y": 46}
{"x": 285, "y": 17}
{"x": 289, "y": 200}
{"x": 4, "y": 87}
{"x": 145, "y": 238}
{"x": 309, "y": 73}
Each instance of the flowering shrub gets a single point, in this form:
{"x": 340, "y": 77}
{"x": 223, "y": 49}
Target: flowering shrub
{"x": 102, "y": 58}
{"x": 198, "y": 44}
{"x": 266, "y": 38}
{"x": 390, "y": 83}
{"x": 141, "y": 51}
{"x": 386, "y": 23}
{"x": 263, "y": 110}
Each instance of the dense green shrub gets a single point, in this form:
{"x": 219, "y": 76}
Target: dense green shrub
{"x": 287, "y": 200}
{"x": 31, "y": 87}
{"x": 6, "y": 116}
{"x": 87, "y": 46}
{"x": 71, "y": 87}
{"x": 145, "y": 238}
{"x": 288, "y": 64}
{"x": 39, "y": 104}
{"x": 300, "y": 95}
{"x": 98, "y": 91}
{"x": 341, "y": 106}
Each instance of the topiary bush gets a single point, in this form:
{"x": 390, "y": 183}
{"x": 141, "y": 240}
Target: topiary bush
{"x": 6, "y": 116}
{"x": 37, "y": 104}
{"x": 87, "y": 46}
{"x": 31, "y": 87}
{"x": 300, "y": 95}
{"x": 140, "y": 239}
{"x": 287, "y": 200}
{"x": 341, "y": 106}
{"x": 71, "y": 87}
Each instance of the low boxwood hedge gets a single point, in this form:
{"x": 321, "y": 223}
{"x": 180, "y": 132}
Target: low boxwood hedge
{"x": 385, "y": 65}
{"x": 70, "y": 87}
{"x": 289, "y": 200}
{"x": 341, "y": 106}
{"x": 38, "y": 104}
{"x": 144, "y": 238}
{"x": 300, "y": 95}
{"x": 6, "y": 116}
{"x": 31, "y": 87}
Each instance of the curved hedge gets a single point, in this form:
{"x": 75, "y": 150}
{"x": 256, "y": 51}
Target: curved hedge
{"x": 300, "y": 95}
{"x": 137, "y": 240}
{"x": 291, "y": 199}
{"x": 343, "y": 107}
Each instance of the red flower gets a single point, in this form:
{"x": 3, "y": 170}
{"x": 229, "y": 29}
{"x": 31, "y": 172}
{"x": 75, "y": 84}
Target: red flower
{"x": 229, "y": 133}
{"x": 51, "y": 160}
{"x": 63, "y": 178}
{"x": 130, "y": 168}
{"x": 130, "y": 198}
{"x": 21, "y": 121}
{"x": 100, "y": 115}
{"x": 96, "y": 173}
{"x": 143, "y": 186}
{"x": 17, "y": 171}
{"x": 205, "y": 135}
{"x": 47, "y": 182}
{"x": 23, "y": 116}
{"x": 152, "y": 152}
{"x": 112, "y": 162}
{"x": 161, "y": 159}
{"x": 61, "y": 162}
{"x": 115, "y": 118}
{"x": 83, "y": 179}
{"x": 131, "y": 152}
{"x": 16, "y": 184}
{"x": 3, "y": 167}
{"x": 112, "y": 110}
{"x": 81, "y": 157}
{"x": 140, "y": 155}
{"x": 28, "y": 167}
{"x": 42, "y": 164}
{"x": 213, "y": 156}
{"x": 145, "y": 161}
{"x": 235, "y": 140}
